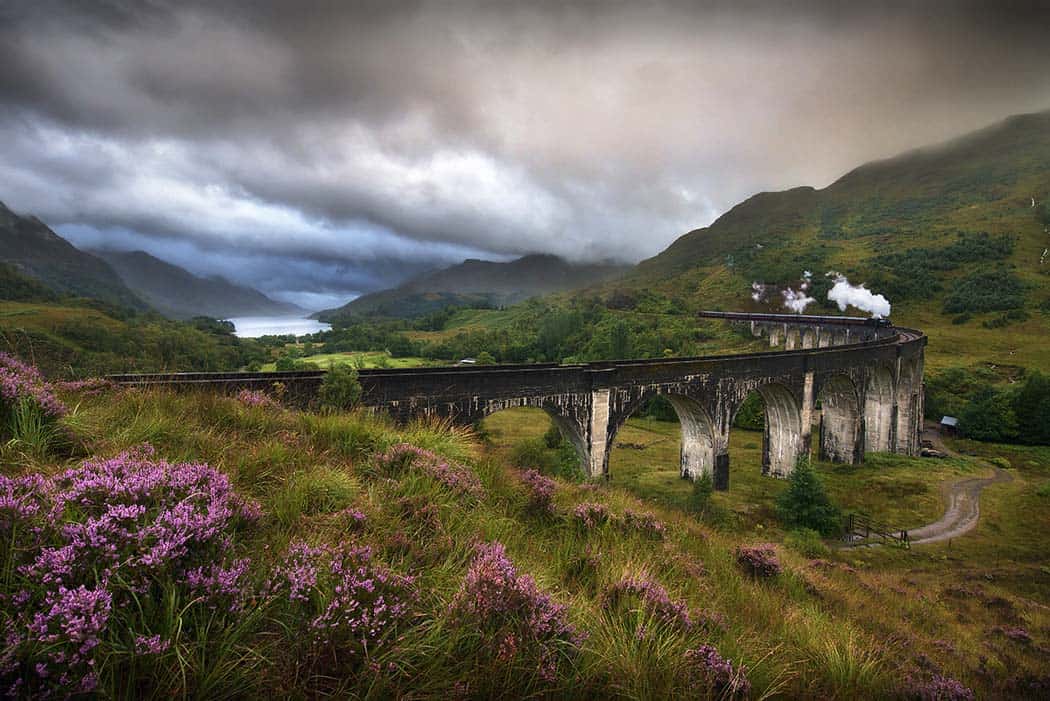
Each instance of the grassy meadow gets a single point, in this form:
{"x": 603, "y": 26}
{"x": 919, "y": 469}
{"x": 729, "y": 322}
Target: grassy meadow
{"x": 875, "y": 623}
{"x": 360, "y": 359}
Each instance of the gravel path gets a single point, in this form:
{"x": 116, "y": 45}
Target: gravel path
{"x": 964, "y": 508}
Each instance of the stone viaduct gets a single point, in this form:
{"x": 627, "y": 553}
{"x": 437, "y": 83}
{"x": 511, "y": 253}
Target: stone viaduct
{"x": 859, "y": 381}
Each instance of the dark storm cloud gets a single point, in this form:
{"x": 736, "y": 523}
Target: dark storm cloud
{"x": 355, "y": 134}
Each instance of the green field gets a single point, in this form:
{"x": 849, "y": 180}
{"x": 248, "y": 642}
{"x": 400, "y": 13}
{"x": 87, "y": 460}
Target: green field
{"x": 360, "y": 359}
{"x": 897, "y": 490}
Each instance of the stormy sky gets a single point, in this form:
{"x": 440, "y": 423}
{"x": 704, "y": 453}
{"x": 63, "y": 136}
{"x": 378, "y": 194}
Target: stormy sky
{"x": 316, "y": 150}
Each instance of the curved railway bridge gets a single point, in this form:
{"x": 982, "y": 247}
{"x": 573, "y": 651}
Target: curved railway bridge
{"x": 859, "y": 381}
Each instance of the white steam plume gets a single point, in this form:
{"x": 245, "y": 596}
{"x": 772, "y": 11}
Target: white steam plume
{"x": 758, "y": 291}
{"x": 797, "y": 301}
{"x": 845, "y": 295}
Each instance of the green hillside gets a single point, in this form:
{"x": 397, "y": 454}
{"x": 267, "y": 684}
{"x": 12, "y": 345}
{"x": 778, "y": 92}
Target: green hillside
{"x": 27, "y": 244}
{"x": 953, "y": 235}
{"x": 179, "y": 294}
{"x": 475, "y": 283}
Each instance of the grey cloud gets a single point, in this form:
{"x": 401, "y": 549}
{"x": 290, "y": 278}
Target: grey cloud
{"x": 421, "y": 131}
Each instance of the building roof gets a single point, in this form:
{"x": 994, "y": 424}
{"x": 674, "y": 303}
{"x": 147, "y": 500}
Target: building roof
{"x": 949, "y": 421}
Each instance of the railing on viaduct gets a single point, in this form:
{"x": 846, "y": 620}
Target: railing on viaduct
{"x": 858, "y": 380}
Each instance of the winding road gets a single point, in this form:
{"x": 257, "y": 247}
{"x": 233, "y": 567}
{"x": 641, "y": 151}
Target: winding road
{"x": 964, "y": 508}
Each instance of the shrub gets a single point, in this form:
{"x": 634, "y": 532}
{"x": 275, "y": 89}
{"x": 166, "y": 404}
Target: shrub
{"x": 347, "y": 603}
{"x": 404, "y": 456}
{"x": 340, "y": 389}
{"x": 805, "y": 504}
{"x": 255, "y": 398}
{"x": 1031, "y": 405}
{"x": 644, "y": 523}
{"x": 517, "y": 619}
{"x": 87, "y": 545}
{"x": 653, "y": 598}
{"x": 759, "y": 560}
{"x": 752, "y": 413}
{"x": 592, "y": 515}
{"x": 986, "y": 291}
{"x": 938, "y": 688}
{"x": 989, "y": 417}
{"x": 806, "y": 541}
{"x": 540, "y": 491}
{"x": 25, "y": 397}
{"x": 700, "y": 495}
{"x": 707, "y": 670}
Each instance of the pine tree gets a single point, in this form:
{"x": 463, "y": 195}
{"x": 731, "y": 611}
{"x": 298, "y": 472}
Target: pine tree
{"x": 805, "y": 504}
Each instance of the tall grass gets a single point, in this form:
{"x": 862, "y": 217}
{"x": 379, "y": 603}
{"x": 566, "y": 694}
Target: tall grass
{"x": 811, "y": 632}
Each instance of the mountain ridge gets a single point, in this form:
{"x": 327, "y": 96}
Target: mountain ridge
{"x": 34, "y": 250}
{"x": 477, "y": 282}
{"x": 179, "y": 294}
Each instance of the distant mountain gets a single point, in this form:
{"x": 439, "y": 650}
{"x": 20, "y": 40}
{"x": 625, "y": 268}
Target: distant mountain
{"x": 35, "y": 251}
{"x": 179, "y": 294}
{"x": 477, "y": 282}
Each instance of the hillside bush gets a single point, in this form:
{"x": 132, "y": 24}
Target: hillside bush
{"x": 989, "y": 416}
{"x": 340, "y": 389}
{"x": 1031, "y": 407}
{"x": 986, "y": 291}
{"x": 805, "y": 504}
{"x": 752, "y": 413}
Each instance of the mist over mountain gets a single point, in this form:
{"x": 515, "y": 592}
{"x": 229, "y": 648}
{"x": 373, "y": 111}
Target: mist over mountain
{"x": 178, "y": 294}
{"x": 478, "y": 282}
{"x": 37, "y": 252}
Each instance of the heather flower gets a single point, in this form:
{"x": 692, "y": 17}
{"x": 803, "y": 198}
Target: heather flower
{"x": 367, "y": 601}
{"x": 151, "y": 645}
{"x": 404, "y": 456}
{"x": 939, "y": 688}
{"x": 82, "y": 541}
{"x": 511, "y": 608}
{"x": 255, "y": 398}
{"x": 591, "y": 515}
{"x": 298, "y": 571}
{"x": 646, "y": 524}
{"x": 759, "y": 560}
{"x": 710, "y": 671}
{"x": 1015, "y": 633}
{"x": 21, "y": 382}
{"x": 146, "y": 517}
{"x": 220, "y": 584}
{"x": 540, "y": 490}
{"x": 90, "y": 387}
{"x": 654, "y": 600}
{"x": 59, "y": 638}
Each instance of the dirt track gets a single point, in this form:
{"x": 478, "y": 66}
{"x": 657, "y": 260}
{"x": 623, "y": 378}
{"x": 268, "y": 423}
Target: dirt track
{"x": 964, "y": 508}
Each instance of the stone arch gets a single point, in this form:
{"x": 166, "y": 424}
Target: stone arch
{"x": 700, "y": 439}
{"x": 809, "y": 338}
{"x": 568, "y": 425}
{"x": 791, "y": 338}
{"x": 879, "y": 411}
{"x": 840, "y": 421}
{"x": 782, "y": 433}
